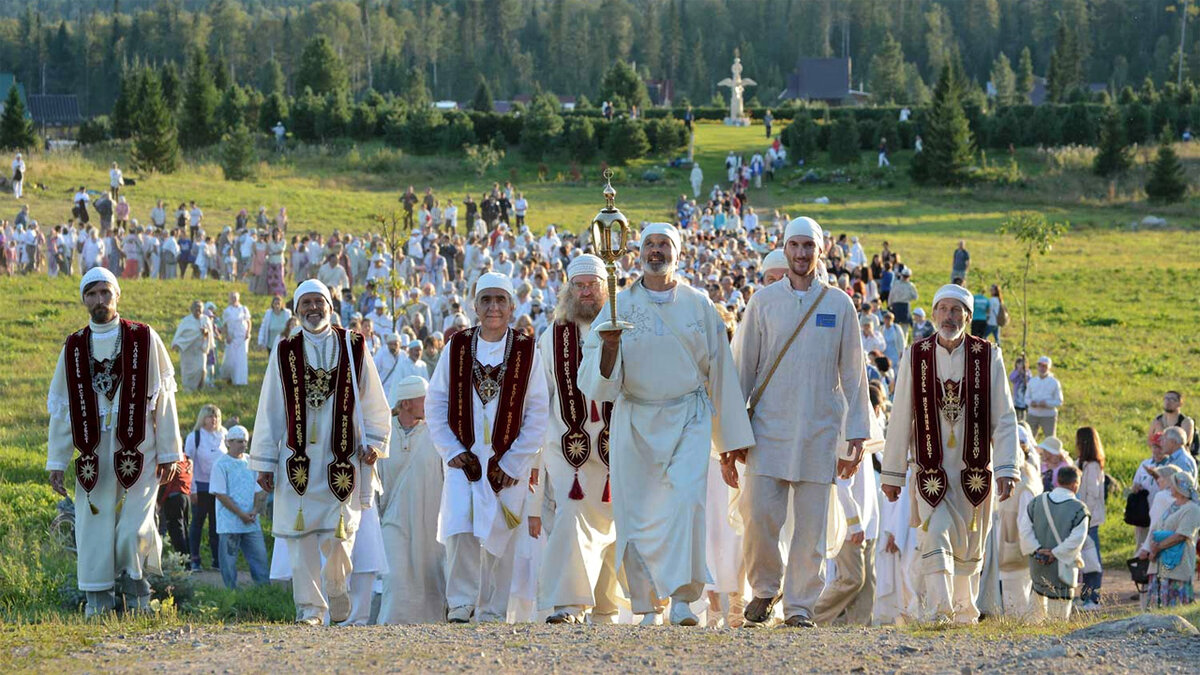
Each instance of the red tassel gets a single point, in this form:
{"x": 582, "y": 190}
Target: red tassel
{"x": 595, "y": 413}
{"x": 576, "y": 489}
{"x": 607, "y": 496}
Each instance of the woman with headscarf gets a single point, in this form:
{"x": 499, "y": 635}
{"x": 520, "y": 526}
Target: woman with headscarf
{"x": 1172, "y": 544}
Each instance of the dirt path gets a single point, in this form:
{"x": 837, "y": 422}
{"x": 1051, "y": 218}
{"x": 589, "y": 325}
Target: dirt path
{"x": 539, "y": 648}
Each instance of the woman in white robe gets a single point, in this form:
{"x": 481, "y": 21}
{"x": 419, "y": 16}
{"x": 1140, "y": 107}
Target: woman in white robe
{"x": 194, "y": 338}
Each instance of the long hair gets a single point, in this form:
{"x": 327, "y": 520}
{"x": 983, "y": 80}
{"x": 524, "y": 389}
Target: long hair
{"x": 206, "y": 410}
{"x": 567, "y": 307}
{"x": 1088, "y": 447}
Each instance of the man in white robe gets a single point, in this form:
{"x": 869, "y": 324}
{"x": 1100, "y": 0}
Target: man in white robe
{"x": 194, "y": 338}
{"x": 954, "y": 524}
{"x": 487, "y": 409}
{"x": 388, "y": 362}
{"x": 578, "y": 574}
{"x": 315, "y": 455}
{"x": 414, "y": 589}
{"x": 236, "y": 331}
{"x": 675, "y": 391}
{"x": 805, "y": 396}
{"x": 115, "y": 486}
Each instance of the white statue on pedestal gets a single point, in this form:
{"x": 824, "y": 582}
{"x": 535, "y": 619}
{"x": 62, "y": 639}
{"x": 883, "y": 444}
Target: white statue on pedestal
{"x": 737, "y": 84}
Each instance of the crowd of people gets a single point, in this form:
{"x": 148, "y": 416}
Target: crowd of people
{"x": 485, "y": 388}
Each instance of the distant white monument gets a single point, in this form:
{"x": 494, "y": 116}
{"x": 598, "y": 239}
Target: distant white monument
{"x": 737, "y": 84}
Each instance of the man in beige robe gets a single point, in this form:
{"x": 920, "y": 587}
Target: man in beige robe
{"x": 952, "y": 528}
{"x": 804, "y": 395}
{"x": 194, "y": 338}
{"x": 115, "y": 490}
{"x": 675, "y": 391}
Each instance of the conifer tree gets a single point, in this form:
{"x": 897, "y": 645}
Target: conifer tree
{"x": 16, "y": 130}
{"x": 1114, "y": 156}
{"x": 155, "y": 144}
{"x": 948, "y": 144}
{"x": 1167, "y": 181}
{"x": 197, "y": 118}
{"x": 237, "y": 153}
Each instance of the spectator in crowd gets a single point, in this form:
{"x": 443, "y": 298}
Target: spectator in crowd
{"x": 1053, "y": 531}
{"x": 995, "y": 304}
{"x": 1018, "y": 381}
{"x": 1043, "y": 395}
{"x": 204, "y": 446}
{"x": 1172, "y": 544}
{"x": 174, "y": 507}
{"x": 239, "y": 500}
{"x": 115, "y": 181}
{"x": 1091, "y": 492}
{"x": 921, "y": 327}
{"x": 1054, "y": 457}
{"x": 961, "y": 264}
{"x": 1173, "y": 416}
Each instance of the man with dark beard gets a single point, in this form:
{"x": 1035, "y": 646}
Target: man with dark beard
{"x": 578, "y": 568}
{"x": 112, "y": 398}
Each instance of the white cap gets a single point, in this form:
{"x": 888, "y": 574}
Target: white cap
{"x": 1046, "y": 360}
{"x": 413, "y": 386}
{"x": 98, "y": 275}
{"x": 955, "y": 292}
{"x": 237, "y": 433}
{"x": 586, "y": 264}
{"x": 311, "y": 286}
{"x": 664, "y": 229}
{"x": 918, "y": 312}
{"x": 804, "y": 227}
{"x": 775, "y": 260}
{"x": 1051, "y": 445}
{"x": 494, "y": 280}
{"x": 392, "y": 337}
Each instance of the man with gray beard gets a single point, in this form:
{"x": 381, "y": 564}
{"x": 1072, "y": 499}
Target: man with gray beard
{"x": 578, "y": 567}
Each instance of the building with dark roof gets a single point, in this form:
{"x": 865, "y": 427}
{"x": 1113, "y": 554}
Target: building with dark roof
{"x": 825, "y": 80}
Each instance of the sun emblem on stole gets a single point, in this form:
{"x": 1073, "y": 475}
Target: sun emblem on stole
{"x": 926, "y": 346}
{"x": 299, "y": 476}
{"x": 977, "y": 347}
{"x": 128, "y": 467}
{"x": 975, "y": 483}
{"x": 576, "y": 449}
{"x": 932, "y": 486}
{"x": 341, "y": 481}
{"x": 87, "y": 471}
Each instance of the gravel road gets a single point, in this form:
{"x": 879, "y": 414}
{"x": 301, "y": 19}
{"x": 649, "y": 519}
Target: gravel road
{"x": 529, "y": 648}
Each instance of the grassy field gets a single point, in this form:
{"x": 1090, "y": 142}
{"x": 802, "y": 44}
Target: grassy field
{"x": 1116, "y": 308}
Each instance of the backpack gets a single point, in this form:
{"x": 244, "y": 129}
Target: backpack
{"x": 1194, "y": 448}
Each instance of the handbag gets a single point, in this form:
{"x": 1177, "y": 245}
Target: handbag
{"x": 1137, "y": 509}
{"x": 754, "y": 399}
{"x": 1139, "y": 571}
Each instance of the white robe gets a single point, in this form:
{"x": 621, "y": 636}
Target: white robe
{"x": 414, "y": 589}
{"x": 895, "y": 596}
{"x": 472, "y": 507}
{"x": 390, "y": 366}
{"x": 268, "y": 451}
{"x": 580, "y": 543}
{"x": 125, "y": 541}
{"x": 270, "y": 329}
{"x": 676, "y": 396}
{"x": 193, "y": 347}
{"x": 237, "y": 344}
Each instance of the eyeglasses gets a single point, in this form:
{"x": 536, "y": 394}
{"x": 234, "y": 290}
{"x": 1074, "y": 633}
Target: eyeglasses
{"x": 586, "y": 285}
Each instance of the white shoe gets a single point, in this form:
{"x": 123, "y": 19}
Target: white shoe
{"x": 1089, "y": 607}
{"x": 460, "y": 614}
{"x": 339, "y": 608}
{"x": 651, "y": 619}
{"x": 681, "y": 614}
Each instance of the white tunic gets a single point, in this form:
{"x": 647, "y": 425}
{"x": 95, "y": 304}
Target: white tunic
{"x": 673, "y": 364}
{"x": 473, "y": 507}
{"x": 113, "y": 542}
{"x": 237, "y": 335}
{"x": 819, "y": 389}
{"x": 193, "y": 347}
{"x": 582, "y": 528}
{"x": 949, "y": 544}
{"x": 414, "y": 589}
{"x": 269, "y": 452}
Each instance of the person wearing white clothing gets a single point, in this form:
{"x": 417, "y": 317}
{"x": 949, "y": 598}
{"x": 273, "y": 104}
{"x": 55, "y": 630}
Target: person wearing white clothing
{"x": 857, "y": 257}
{"x": 1016, "y": 587}
{"x": 18, "y": 176}
{"x": 236, "y": 331}
{"x": 1044, "y": 396}
{"x": 697, "y": 178}
{"x": 115, "y": 181}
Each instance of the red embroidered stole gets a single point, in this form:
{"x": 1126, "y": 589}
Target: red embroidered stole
{"x": 130, "y": 411}
{"x": 576, "y": 444}
{"x": 931, "y": 478}
{"x": 340, "y": 474}
{"x": 509, "y": 410}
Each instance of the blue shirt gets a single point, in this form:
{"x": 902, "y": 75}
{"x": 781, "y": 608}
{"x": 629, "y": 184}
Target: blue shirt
{"x": 232, "y": 476}
{"x": 1183, "y": 460}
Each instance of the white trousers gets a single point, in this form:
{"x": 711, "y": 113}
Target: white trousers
{"x": 952, "y": 595}
{"x": 362, "y": 591}
{"x": 1015, "y": 594}
{"x": 312, "y": 582}
{"x": 641, "y": 585}
{"x": 764, "y": 510}
{"x": 476, "y": 578}
{"x": 18, "y": 188}
{"x": 1051, "y": 609}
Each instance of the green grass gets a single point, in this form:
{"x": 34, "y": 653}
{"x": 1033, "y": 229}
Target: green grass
{"x": 1115, "y": 308}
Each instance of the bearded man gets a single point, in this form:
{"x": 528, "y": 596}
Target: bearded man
{"x": 953, "y": 418}
{"x": 660, "y": 373}
{"x": 112, "y": 399}
{"x": 322, "y": 402}
{"x": 236, "y": 322}
{"x": 194, "y": 338}
{"x": 578, "y": 572}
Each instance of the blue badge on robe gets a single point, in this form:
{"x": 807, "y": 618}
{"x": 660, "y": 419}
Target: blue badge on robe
{"x": 826, "y": 320}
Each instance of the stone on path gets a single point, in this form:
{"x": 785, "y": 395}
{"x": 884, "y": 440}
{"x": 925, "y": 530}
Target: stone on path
{"x": 1142, "y": 623}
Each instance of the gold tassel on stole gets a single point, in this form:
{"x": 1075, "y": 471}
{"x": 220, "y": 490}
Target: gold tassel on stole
{"x": 511, "y": 519}
{"x": 299, "y": 524}
{"x": 975, "y": 520}
{"x": 340, "y": 532}
{"x": 92, "y": 507}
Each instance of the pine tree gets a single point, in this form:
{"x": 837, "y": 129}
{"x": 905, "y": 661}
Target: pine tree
{"x": 172, "y": 85}
{"x": 416, "y": 94}
{"x": 126, "y": 104}
{"x": 1004, "y": 80}
{"x": 197, "y": 118}
{"x": 543, "y": 126}
{"x": 231, "y": 111}
{"x": 844, "y": 141}
{"x": 887, "y": 72}
{"x": 622, "y": 84}
{"x": 155, "y": 144}
{"x": 1025, "y": 77}
{"x": 16, "y": 130}
{"x": 482, "y": 102}
{"x": 1167, "y": 181}
{"x": 274, "y": 109}
{"x": 626, "y": 140}
{"x": 1066, "y": 63}
{"x": 237, "y": 154}
{"x": 948, "y": 144}
{"x": 221, "y": 79}
{"x": 271, "y": 79}
{"x": 321, "y": 68}
{"x": 1114, "y": 156}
